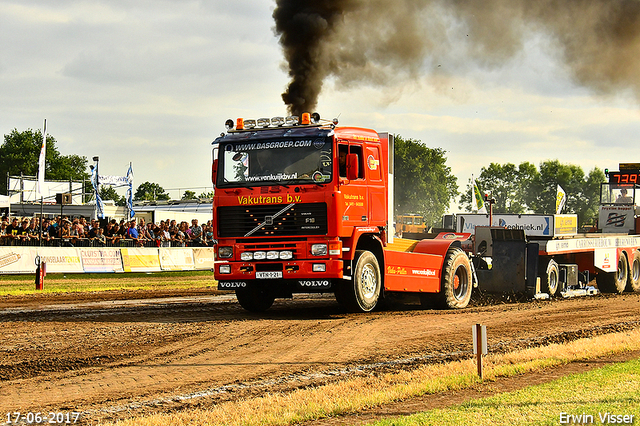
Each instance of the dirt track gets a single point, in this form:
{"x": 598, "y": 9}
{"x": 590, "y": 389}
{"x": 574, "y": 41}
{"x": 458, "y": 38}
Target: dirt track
{"x": 110, "y": 356}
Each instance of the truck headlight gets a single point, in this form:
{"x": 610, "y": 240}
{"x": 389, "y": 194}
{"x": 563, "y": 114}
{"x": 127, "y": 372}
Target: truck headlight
{"x": 319, "y": 249}
{"x": 225, "y": 252}
{"x": 260, "y": 255}
{"x": 273, "y": 255}
{"x": 225, "y": 269}
{"x": 286, "y": 255}
{"x": 247, "y": 255}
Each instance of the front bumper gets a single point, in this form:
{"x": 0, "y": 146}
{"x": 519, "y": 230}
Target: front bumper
{"x": 304, "y": 275}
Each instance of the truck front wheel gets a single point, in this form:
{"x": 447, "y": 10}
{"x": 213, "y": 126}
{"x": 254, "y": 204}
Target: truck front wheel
{"x": 255, "y": 298}
{"x": 614, "y": 282}
{"x": 362, "y": 293}
{"x": 456, "y": 285}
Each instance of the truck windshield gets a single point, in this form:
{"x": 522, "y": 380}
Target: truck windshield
{"x": 280, "y": 161}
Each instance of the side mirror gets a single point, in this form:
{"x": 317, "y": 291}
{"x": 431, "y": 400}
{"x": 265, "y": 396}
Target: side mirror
{"x": 353, "y": 169}
{"x": 214, "y": 172}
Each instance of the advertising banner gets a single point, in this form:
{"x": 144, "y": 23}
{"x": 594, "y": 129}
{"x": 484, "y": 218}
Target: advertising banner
{"x": 204, "y": 258}
{"x": 618, "y": 219}
{"x": 565, "y": 224}
{"x": 534, "y": 225}
{"x": 61, "y": 259}
{"x": 101, "y": 260}
{"x": 176, "y": 259}
{"x": 17, "y": 260}
{"x": 140, "y": 259}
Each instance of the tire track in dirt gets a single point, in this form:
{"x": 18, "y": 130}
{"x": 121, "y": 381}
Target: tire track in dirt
{"x": 126, "y": 355}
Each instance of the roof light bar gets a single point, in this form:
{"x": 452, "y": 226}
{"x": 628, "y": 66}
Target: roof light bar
{"x": 305, "y": 120}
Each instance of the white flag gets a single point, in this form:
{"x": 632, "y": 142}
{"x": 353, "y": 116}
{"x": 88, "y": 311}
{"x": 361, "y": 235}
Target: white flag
{"x": 477, "y": 200}
{"x": 41, "y": 160}
{"x": 561, "y": 199}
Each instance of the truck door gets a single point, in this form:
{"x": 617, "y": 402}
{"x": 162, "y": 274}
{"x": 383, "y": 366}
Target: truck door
{"x": 354, "y": 193}
{"x": 376, "y": 188}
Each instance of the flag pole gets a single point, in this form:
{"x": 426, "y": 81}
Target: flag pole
{"x": 41, "y": 169}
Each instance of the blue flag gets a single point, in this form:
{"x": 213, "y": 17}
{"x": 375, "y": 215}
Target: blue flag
{"x": 132, "y": 212}
{"x": 94, "y": 182}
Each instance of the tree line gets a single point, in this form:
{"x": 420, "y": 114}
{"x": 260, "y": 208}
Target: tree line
{"x": 425, "y": 185}
{"x": 528, "y": 189}
{"x": 19, "y": 154}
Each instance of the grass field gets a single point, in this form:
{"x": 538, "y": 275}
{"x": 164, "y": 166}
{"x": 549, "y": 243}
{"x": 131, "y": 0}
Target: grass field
{"x": 536, "y": 405}
{"x": 609, "y": 395}
{"x": 15, "y": 285}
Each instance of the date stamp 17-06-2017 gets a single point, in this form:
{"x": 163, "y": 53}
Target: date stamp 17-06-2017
{"x": 35, "y": 418}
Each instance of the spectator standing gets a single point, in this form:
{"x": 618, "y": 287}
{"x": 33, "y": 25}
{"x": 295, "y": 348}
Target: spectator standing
{"x": 12, "y": 230}
{"x": 99, "y": 239}
{"x": 196, "y": 233}
{"x": 23, "y": 231}
{"x": 132, "y": 232}
{"x": 165, "y": 235}
{"x": 3, "y": 232}
{"x": 65, "y": 233}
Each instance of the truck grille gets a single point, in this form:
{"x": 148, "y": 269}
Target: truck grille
{"x": 300, "y": 219}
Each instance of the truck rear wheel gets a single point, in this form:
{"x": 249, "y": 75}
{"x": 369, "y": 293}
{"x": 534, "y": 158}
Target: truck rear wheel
{"x": 362, "y": 293}
{"x": 633, "y": 282}
{"x": 614, "y": 282}
{"x": 456, "y": 285}
{"x": 550, "y": 278}
{"x": 255, "y": 298}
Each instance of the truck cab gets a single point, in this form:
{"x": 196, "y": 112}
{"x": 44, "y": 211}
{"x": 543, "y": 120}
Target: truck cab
{"x": 289, "y": 201}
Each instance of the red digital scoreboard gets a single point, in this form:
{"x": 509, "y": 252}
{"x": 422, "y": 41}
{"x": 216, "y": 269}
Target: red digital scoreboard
{"x": 625, "y": 177}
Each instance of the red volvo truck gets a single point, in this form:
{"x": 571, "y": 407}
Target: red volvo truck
{"x": 303, "y": 205}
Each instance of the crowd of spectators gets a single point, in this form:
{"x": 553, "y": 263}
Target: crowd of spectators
{"x": 64, "y": 231}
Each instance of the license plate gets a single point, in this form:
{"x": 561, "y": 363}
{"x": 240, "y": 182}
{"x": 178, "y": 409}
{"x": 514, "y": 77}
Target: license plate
{"x": 269, "y": 275}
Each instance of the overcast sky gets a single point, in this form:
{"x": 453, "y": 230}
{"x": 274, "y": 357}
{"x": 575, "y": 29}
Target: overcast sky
{"x": 152, "y": 83}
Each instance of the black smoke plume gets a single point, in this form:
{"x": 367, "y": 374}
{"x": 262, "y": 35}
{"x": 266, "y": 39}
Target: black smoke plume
{"x": 380, "y": 42}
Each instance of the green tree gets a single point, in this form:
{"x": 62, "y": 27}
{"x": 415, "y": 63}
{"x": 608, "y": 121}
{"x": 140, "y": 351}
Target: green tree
{"x": 423, "y": 182}
{"x": 189, "y": 195}
{"x": 506, "y": 183}
{"x": 583, "y": 192}
{"x": 526, "y": 189}
{"x": 20, "y": 151}
{"x": 108, "y": 192}
{"x": 148, "y": 191}
{"x": 206, "y": 195}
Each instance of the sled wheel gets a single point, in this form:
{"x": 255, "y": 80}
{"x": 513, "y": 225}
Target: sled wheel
{"x": 633, "y": 281}
{"x": 550, "y": 278}
{"x": 614, "y": 282}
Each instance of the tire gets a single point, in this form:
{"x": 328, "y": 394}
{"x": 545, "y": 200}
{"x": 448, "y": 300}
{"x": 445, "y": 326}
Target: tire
{"x": 550, "y": 278}
{"x": 362, "y": 292}
{"x": 614, "y": 282}
{"x": 633, "y": 281}
{"x": 255, "y": 298}
{"x": 456, "y": 285}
